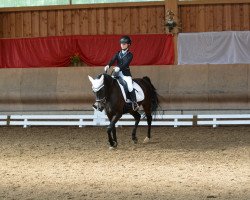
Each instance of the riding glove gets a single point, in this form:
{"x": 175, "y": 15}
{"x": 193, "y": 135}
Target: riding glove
{"x": 116, "y": 69}
{"x": 106, "y": 68}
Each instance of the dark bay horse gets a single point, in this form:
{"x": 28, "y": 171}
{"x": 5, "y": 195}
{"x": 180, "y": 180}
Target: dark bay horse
{"x": 108, "y": 95}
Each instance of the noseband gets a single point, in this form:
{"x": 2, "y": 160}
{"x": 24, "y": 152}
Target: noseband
{"x": 103, "y": 100}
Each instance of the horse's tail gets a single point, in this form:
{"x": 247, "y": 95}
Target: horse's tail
{"x": 154, "y": 95}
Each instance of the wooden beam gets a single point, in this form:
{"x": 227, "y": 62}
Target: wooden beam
{"x": 204, "y": 2}
{"x": 83, "y": 6}
{"x": 173, "y": 6}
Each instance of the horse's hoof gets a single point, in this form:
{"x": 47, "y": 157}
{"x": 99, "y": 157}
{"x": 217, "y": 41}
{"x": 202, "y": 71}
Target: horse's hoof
{"x": 146, "y": 140}
{"x": 112, "y": 148}
{"x": 115, "y": 144}
{"x": 135, "y": 140}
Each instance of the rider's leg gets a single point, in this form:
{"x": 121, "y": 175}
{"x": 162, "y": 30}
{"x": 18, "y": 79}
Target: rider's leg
{"x": 132, "y": 94}
{"x": 134, "y": 101}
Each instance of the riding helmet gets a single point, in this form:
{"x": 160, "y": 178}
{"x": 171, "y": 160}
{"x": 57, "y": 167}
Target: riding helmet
{"x": 125, "y": 40}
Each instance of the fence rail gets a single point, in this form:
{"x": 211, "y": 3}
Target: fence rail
{"x": 216, "y": 120}
{"x": 100, "y": 119}
{"x": 3, "y": 120}
{"x": 95, "y": 119}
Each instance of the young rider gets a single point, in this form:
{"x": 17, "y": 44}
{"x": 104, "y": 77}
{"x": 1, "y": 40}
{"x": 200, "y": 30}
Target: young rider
{"x": 123, "y": 59}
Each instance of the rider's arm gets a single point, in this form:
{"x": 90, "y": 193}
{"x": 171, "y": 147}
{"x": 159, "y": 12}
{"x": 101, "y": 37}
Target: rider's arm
{"x": 112, "y": 61}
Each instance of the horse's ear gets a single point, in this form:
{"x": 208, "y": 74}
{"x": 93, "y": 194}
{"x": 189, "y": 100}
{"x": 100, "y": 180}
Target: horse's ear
{"x": 101, "y": 78}
{"x": 91, "y": 79}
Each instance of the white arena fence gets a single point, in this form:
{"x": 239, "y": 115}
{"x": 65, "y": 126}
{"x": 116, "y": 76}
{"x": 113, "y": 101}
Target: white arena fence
{"x": 227, "y": 119}
{"x": 100, "y": 119}
{"x": 95, "y": 119}
{"x": 3, "y": 120}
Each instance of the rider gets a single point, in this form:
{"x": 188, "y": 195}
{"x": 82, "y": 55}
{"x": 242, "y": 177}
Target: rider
{"x": 123, "y": 59}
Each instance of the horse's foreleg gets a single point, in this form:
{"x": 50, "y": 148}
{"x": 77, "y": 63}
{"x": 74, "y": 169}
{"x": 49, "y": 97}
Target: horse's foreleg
{"x": 112, "y": 129}
{"x": 114, "y": 136}
{"x": 137, "y": 117}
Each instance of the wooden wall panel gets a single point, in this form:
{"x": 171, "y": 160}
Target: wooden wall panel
{"x": 84, "y": 21}
{"x": 92, "y": 23}
{"x": 27, "y": 24}
{"x": 236, "y": 16}
{"x": 12, "y": 24}
{"x": 75, "y": 22}
{"x": 109, "y": 21}
{"x": 1, "y": 25}
{"x": 200, "y": 19}
{"x": 100, "y": 21}
{"x": 218, "y": 17}
{"x": 117, "y": 20}
{"x": 160, "y": 19}
{"x": 143, "y": 16}
{"x": 51, "y": 23}
{"x": 214, "y": 17}
{"x": 192, "y": 17}
{"x": 134, "y": 22}
{"x": 6, "y": 25}
{"x": 35, "y": 24}
{"x": 209, "y": 18}
{"x": 126, "y": 21}
{"x": 19, "y": 24}
{"x": 149, "y": 19}
{"x": 84, "y": 26}
{"x": 43, "y": 20}
{"x": 152, "y": 19}
{"x": 187, "y": 16}
{"x": 227, "y": 17}
{"x": 246, "y": 17}
{"x": 67, "y": 21}
{"x": 59, "y": 23}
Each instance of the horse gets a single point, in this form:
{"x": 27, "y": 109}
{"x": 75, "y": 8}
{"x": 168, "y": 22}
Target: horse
{"x": 108, "y": 95}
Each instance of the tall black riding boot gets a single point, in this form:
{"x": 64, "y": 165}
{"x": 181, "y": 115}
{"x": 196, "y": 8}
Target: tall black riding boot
{"x": 134, "y": 101}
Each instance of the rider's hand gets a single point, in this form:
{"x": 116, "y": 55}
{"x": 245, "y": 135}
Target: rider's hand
{"x": 116, "y": 69}
{"x": 106, "y": 68}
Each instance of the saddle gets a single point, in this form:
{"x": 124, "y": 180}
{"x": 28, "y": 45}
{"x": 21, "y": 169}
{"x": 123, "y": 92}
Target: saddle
{"x": 124, "y": 88}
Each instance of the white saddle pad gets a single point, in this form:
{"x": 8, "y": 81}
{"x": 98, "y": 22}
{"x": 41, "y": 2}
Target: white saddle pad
{"x": 138, "y": 91}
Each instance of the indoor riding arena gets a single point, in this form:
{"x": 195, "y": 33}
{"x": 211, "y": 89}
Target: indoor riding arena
{"x": 54, "y": 145}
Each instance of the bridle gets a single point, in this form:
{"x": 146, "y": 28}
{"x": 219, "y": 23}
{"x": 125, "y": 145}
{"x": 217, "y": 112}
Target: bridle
{"x": 102, "y": 101}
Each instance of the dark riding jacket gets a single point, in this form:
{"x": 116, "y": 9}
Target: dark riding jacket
{"x": 123, "y": 61}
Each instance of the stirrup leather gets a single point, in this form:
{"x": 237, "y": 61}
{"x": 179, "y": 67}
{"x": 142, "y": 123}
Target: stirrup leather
{"x": 135, "y": 106}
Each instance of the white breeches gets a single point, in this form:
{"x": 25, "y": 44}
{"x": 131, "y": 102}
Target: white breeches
{"x": 128, "y": 80}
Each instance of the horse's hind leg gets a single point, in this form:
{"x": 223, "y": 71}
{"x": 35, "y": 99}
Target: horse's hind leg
{"x": 137, "y": 117}
{"x": 149, "y": 122}
{"x": 147, "y": 110}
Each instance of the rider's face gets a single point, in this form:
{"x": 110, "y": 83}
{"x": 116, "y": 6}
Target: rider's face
{"x": 124, "y": 46}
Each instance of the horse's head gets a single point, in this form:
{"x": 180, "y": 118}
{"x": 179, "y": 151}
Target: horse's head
{"x": 98, "y": 87}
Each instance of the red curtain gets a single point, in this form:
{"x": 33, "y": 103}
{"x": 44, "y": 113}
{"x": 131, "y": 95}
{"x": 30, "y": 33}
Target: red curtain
{"x": 97, "y": 50}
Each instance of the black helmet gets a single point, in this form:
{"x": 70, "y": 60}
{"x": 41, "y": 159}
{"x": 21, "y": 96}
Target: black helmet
{"x": 125, "y": 40}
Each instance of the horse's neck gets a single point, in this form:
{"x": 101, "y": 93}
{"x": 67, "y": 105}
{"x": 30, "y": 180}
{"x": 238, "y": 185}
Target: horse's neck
{"x": 112, "y": 88}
